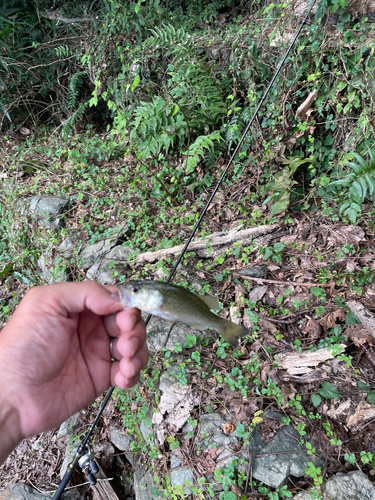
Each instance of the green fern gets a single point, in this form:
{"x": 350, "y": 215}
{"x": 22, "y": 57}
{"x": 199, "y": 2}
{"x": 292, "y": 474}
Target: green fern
{"x": 157, "y": 126}
{"x": 356, "y": 185}
{"x": 68, "y": 124}
{"x": 197, "y": 149}
{"x": 75, "y": 86}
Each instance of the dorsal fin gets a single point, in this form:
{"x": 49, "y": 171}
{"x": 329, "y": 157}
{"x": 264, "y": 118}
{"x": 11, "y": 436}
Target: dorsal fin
{"x": 210, "y": 301}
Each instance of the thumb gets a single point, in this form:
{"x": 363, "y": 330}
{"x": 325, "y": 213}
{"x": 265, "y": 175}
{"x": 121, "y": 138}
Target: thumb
{"x": 75, "y": 297}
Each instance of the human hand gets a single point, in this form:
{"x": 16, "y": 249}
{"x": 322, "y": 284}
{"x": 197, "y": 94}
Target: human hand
{"x": 55, "y": 357}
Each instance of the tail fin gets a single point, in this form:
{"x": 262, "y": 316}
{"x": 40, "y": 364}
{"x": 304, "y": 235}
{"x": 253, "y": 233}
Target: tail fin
{"x": 231, "y": 332}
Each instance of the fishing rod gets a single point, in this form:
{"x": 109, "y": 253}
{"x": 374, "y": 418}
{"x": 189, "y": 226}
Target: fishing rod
{"x": 84, "y": 455}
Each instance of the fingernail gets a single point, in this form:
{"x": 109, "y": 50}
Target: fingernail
{"x": 134, "y": 345}
{"x": 115, "y": 296}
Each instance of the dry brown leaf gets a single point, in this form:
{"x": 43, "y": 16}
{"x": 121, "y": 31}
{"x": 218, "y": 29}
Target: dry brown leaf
{"x": 235, "y": 315}
{"x": 264, "y": 374}
{"x": 256, "y": 294}
{"x": 287, "y": 391}
{"x": 337, "y": 412}
{"x": 359, "y": 335}
{"x": 364, "y": 412}
{"x": 173, "y": 411}
{"x": 351, "y": 266}
{"x": 312, "y": 329}
{"x": 239, "y": 293}
{"x": 228, "y": 428}
{"x": 329, "y": 320}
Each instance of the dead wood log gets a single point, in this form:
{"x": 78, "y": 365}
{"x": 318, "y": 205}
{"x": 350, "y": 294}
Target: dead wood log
{"x": 215, "y": 239}
{"x": 103, "y": 489}
{"x": 364, "y": 315}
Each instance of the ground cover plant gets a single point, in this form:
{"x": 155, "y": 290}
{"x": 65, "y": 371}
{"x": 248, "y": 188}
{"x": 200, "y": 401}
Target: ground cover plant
{"x": 130, "y": 114}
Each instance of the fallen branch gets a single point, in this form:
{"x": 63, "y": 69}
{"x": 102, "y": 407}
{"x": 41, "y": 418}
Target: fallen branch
{"x": 306, "y": 105}
{"x": 213, "y": 240}
{"x": 275, "y": 282}
{"x": 364, "y": 315}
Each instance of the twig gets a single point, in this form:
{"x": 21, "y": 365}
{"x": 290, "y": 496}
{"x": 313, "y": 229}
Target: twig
{"x": 324, "y": 285}
{"x": 282, "y": 320}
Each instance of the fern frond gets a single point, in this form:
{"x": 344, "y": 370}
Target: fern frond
{"x": 75, "y": 85}
{"x": 197, "y": 149}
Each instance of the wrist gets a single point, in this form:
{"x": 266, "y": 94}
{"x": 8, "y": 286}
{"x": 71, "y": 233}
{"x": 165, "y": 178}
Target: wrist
{"x": 10, "y": 433}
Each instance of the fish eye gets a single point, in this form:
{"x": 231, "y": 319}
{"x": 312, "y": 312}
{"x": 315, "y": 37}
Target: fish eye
{"x": 135, "y": 289}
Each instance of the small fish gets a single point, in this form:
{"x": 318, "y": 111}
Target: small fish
{"x": 175, "y": 303}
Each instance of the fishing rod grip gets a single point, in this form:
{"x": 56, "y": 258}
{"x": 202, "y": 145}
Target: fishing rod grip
{"x": 65, "y": 480}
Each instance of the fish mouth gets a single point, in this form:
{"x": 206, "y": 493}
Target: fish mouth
{"x": 125, "y": 297}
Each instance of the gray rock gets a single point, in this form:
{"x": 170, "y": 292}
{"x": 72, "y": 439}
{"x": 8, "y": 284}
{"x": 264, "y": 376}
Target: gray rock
{"x": 66, "y": 248}
{"x": 167, "y": 379}
{"x": 144, "y": 485}
{"x": 214, "y": 53}
{"x": 159, "y": 329}
{"x": 274, "y": 467}
{"x": 103, "y": 270}
{"x": 70, "y": 453}
{"x": 122, "y": 441}
{"x": 20, "y": 491}
{"x": 37, "y": 444}
{"x": 351, "y": 486}
{"x": 52, "y": 271}
{"x": 255, "y": 272}
{"x": 211, "y": 429}
{"x": 92, "y": 253}
{"x": 181, "y": 475}
{"x": 303, "y": 495}
{"x": 48, "y": 209}
{"x": 68, "y": 428}
{"x": 147, "y": 431}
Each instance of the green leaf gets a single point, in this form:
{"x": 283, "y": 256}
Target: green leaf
{"x": 316, "y": 399}
{"x": 240, "y": 429}
{"x": 344, "y": 206}
{"x": 229, "y": 495}
{"x": 370, "y": 182}
{"x": 361, "y": 161}
{"x": 136, "y": 81}
{"x": 341, "y": 182}
{"x": 356, "y": 193}
{"x": 354, "y": 166}
{"x": 351, "y": 319}
{"x": 352, "y": 214}
{"x": 371, "y": 397}
{"x": 329, "y": 391}
{"x": 372, "y": 158}
{"x": 363, "y": 386}
{"x": 7, "y": 270}
{"x": 281, "y": 205}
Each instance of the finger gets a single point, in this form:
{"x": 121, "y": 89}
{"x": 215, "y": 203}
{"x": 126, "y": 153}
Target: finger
{"x": 128, "y": 320}
{"x": 69, "y": 298}
{"x": 131, "y": 342}
{"x": 130, "y": 368}
{"x": 115, "y": 354}
{"x": 118, "y": 379}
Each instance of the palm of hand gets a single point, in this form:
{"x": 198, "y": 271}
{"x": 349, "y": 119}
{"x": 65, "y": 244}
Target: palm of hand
{"x": 60, "y": 368}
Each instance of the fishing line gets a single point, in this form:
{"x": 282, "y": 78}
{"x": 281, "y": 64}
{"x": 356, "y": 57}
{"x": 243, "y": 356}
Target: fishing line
{"x": 84, "y": 449}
